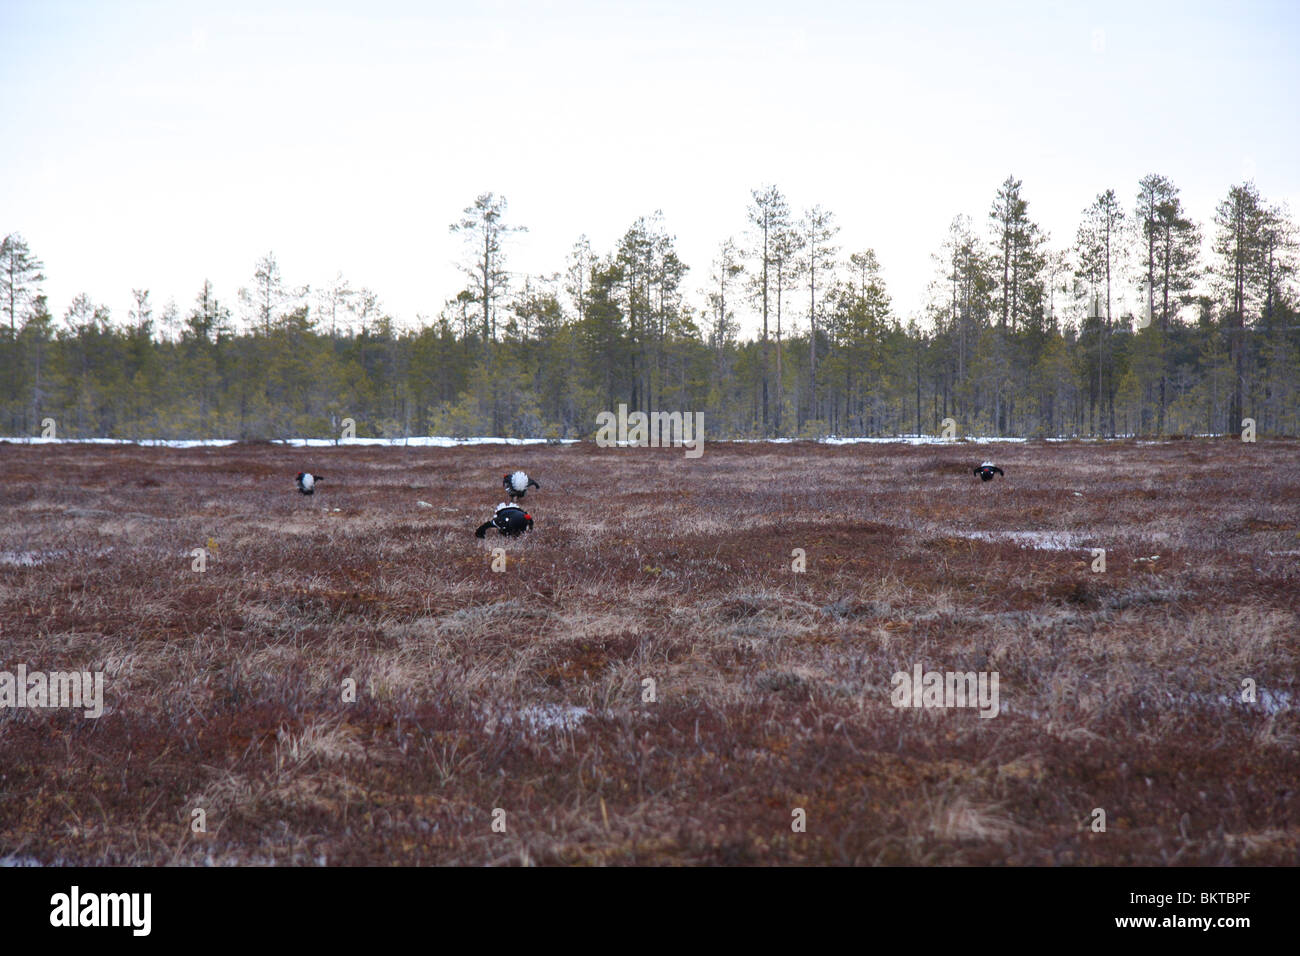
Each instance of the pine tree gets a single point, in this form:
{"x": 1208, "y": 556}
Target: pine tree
{"x": 20, "y": 280}
{"x": 769, "y": 215}
{"x": 787, "y": 243}
{"x": 484, "y": 229}
{"x": 1177, "y": 250}
{"x": 819, "y": 230}
{"x": 1101, "y": 248}
{"x": 1239, "y": 246}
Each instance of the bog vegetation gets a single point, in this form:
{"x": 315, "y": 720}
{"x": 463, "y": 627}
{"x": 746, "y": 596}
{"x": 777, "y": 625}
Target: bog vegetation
{"x": 524, "y": 690}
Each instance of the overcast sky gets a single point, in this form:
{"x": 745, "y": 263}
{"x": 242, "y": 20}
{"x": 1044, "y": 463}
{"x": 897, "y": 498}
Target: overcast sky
{"x": 153, "y": 145}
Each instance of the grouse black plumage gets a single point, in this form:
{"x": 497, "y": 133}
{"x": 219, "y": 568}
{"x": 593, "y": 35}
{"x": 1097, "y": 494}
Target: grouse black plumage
{"x": 307, "y": 482}
{"x": 987, "y": 470}
{"x": 517, "y": 484}
{"x": 510, "y": 520}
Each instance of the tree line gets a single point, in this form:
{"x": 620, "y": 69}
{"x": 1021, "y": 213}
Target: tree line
{"x": 1139, "y": 325}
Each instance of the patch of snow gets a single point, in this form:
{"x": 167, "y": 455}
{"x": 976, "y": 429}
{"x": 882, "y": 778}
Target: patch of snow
{"x": 143, "y": 442}
{"x": 1270, "y": 701}
{"x": 31, "y": 559}
{"x": 1040, "y": 540}
{"x": 27, "y": 559}
{"x": 441, "y": 441}
{"x": 921, "y": 440}
{"x": 1008, "y": 707}
{"x": 12, "y": 860}
{"x": 547, "y": 716}
{"x": 183, "y": 442}
{"x": 416, "y": 441}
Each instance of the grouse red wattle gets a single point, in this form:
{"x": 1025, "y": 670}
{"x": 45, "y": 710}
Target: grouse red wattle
{"x": 987, "y": 470}
{"x": 517, "y": 484}
{"x": 509, "y": 520}
{"x": 307, "y": 482}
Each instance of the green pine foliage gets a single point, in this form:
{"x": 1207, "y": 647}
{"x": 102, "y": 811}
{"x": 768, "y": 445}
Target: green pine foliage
{"x": 1017, "y": 338}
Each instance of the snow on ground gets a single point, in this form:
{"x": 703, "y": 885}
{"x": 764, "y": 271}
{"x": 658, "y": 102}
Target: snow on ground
{"x": 144, "y": 442}
{"x": 920, "y": 440}
{"x": 415, "y": 441}
{"x": 419, "y": 441}
{"x": 1041, "y": 540}
{"x": 1269, "y": 701}
{"x": 442, "y": 441}
{"x": 863, "y": 440}
{"x": 1272, "y": 701}
{"x": 546, "y": 717}
{"x": 27, "y": 559}
{"x": 31, "y": 559}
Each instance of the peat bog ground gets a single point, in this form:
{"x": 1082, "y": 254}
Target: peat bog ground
{"x": 522, "y": 690}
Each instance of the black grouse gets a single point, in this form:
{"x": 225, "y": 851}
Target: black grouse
{"x": 517, "y": 484}
{"x": 307, "y": 482}
{"x": 987, "y": 470}
{"x": 510, "y": 520}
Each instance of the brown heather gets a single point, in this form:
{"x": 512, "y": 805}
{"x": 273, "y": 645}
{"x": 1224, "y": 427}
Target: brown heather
{"x": 223, "y": 689}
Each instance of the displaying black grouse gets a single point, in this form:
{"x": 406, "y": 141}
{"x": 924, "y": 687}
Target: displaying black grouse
{"x": 517, "y": 484}
{"x": 510, "y": 520}
{"x": 307, "y": 482}
{"x": 987, "y": 470}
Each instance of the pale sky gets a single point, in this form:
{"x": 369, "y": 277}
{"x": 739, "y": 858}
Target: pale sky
{"x": 153, "y": 145}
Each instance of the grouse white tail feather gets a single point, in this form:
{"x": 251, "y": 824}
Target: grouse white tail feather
{"x": 517, "y": 484}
